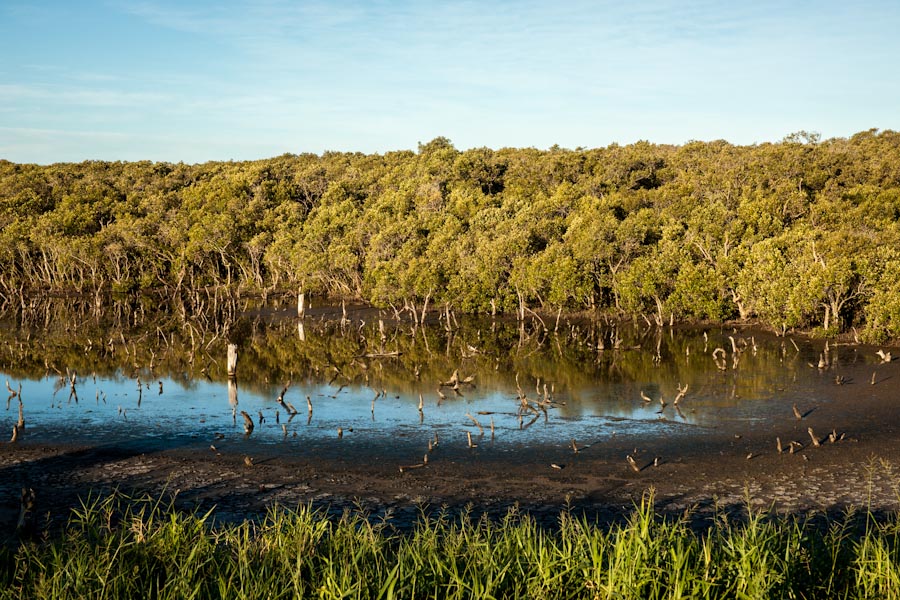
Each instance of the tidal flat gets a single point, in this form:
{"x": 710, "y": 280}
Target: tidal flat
{"x": 359, "y": 409}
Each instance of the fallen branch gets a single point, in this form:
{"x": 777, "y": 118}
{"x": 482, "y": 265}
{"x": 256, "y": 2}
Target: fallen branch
{"x": 477, "y": 424}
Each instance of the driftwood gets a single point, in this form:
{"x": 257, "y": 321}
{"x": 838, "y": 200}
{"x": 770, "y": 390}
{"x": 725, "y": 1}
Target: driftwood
{"x": 416, "y": 466}
{"x": 681, "y": 393}
{"x": 248, "y": 422}
{"x": 72, "y": 393}
{"x": 529, "y": 423}
{"x": 633, "y": 464}
{"x": 288, "y": 407}
{"x": 734, "y": 348}
{"x": 813, "y": 437}
{"x": 718, "y": 356}
{"x": 12, "y": 393}
{"x": 477, "y": 424}
{"x": 453, "y": 381}
{"x": 280, "y": 399}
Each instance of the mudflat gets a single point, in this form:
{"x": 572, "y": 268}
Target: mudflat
{"x": 843, "y": 452}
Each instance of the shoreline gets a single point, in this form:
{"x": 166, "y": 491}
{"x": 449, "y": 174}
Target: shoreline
{"x": 719, "y": 472}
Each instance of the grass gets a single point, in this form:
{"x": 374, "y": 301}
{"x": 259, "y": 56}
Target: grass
{"x": 120, "y": 547}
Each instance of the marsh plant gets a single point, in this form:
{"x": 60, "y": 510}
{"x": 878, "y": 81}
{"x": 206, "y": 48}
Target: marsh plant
{"x": 120, "y": 547}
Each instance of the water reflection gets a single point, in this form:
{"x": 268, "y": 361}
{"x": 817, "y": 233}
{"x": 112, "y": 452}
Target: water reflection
{"x": 233, "y": 397}
{"x": 365, "y": 375}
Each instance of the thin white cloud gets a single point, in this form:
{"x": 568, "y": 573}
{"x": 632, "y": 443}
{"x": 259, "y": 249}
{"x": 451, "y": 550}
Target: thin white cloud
{"x": 41, "y": 133}
{"x": 92, "y": 97}
{"x": 45, "y": 145}
{"x": 372, "y": 74}
{"x": 243, "y": 22}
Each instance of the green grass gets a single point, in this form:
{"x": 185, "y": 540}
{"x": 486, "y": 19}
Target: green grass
{"x": 119, "y": 547}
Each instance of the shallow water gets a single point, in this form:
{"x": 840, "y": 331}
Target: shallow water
{"x": 583, "y": 381}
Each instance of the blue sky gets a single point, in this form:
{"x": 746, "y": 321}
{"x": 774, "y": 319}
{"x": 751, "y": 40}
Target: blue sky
{"x": 237, "y": 79}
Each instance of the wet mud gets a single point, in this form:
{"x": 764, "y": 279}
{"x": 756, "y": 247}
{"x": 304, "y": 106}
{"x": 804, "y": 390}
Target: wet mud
{"x": 854, "y": 466}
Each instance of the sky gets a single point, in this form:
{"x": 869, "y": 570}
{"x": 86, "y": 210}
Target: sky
{"x": 198, "y": 80}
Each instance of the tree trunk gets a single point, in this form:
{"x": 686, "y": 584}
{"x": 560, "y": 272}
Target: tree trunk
{"x": 232, "y": 361}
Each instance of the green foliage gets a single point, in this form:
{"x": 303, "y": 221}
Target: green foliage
{"x": 792, "y": 234}
{"x": 119, "y": 547}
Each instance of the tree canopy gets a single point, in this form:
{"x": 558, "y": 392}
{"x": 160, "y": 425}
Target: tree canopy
{"x": 801, "y": 233}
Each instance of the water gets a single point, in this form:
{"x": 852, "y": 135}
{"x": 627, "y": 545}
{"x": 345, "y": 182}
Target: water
{"x": 583, "y": 381}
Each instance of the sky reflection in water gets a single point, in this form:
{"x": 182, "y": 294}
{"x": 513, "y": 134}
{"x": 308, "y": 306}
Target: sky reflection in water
{"x": 594, "y": 391}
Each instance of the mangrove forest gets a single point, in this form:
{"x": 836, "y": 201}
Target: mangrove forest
{"x": 803, "y": 233}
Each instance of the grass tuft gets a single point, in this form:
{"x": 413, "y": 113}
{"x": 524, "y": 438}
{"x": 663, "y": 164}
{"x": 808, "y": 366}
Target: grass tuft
{"x": 122, "y": 547}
